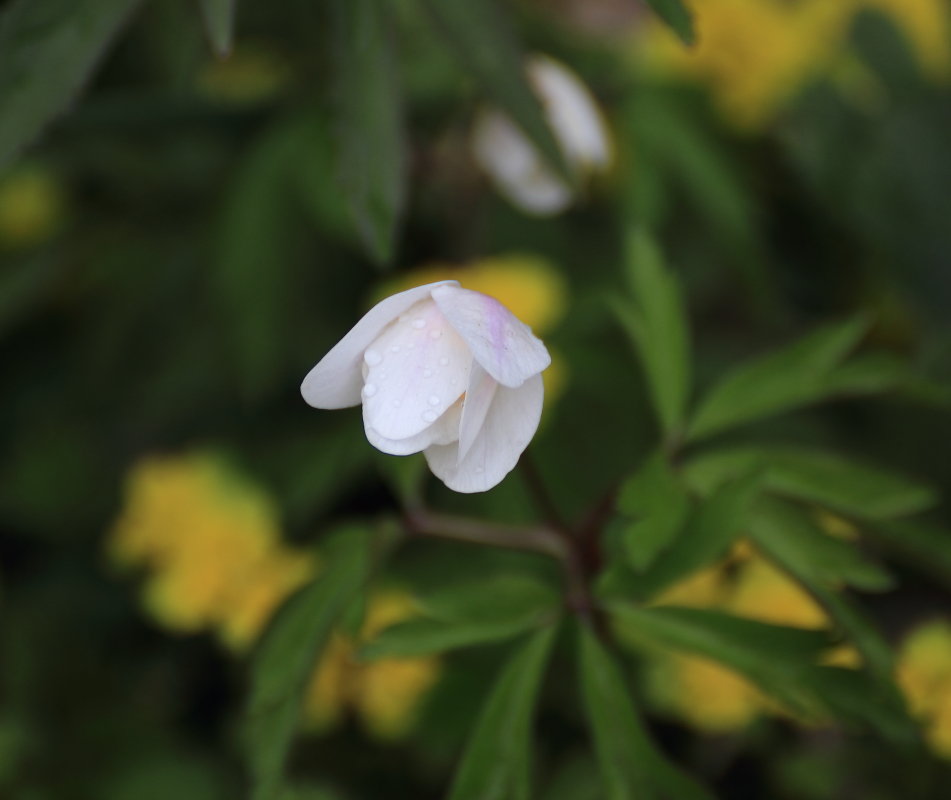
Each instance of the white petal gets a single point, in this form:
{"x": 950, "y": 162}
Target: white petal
{"x": 515, "y": 166}
{"x": 504, "y": 345}
{"x": 444, "y": 430}
{"x": 417, "y": 368}
{"x": 508, "y": 428}
{"x": 479, "y": 395}
{"x": 336, "y": 379}
{"x": 572, "y": 113}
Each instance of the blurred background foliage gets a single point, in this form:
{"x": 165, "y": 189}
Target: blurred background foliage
{"x": 197, "y": 200}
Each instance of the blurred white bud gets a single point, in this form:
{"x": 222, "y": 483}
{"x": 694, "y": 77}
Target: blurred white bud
{"x": 518, "y": 170}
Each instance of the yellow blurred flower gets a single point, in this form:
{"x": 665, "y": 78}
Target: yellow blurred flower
{"x": 385, "y": 694}
{"x": 251, "y": 74}
{"x": 209, "y": 542}
{"x": 703, "y": 693}
{"x": 923, "y": 672}
{"x": 756, "y": 55}
{"x": 765, "y": 593}
{"x": 32, "y": 202}
{"x": 708, "y": 695}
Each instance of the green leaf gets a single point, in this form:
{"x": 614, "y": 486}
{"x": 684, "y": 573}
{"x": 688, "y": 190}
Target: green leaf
{"x": 925, "y": 545}
{"x": 497, "y": 761}
{"x": 369, "y": 123}
{"x": 658, "y": 501}
{"x": 218, "y": 16}
{"x": 480, "y": 36}
{"x": 794, "y": 376}
{"x": 677, "y": 16}
{"x": 255, "y": 258}
{"x": 773, "y": 656}
{"x": 285, "y": 659}
{"x": 514, "y": 598}
{"x": 631, "y": 765}
{"x": 778, "y": 530}
{"x": 423, "y": 637}
{"x": 857, "y": 697}
{"x": 48, "y": 50}
{"x": 712, "y": 527}
{"x": 815, "y": 477}
{"x": 657, "y": 325}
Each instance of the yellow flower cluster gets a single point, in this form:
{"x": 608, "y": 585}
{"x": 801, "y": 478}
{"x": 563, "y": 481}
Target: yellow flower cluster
{"x": 385, "y": 694}
{"x": 528, "y": 285}
{"x": 31, "y": 207}
{"x": 702, "y": 692}
{"x": 924, "y": 674}
{"x": 755, "y": 55}
{"x": 210, "y": 545}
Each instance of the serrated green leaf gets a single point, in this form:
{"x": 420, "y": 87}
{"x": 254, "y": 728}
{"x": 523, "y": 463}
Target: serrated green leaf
{"x": 288, "y": 652}
{"x": 816, "y": 477}
{"x": 791, "y": 377}
{"x": 423, "y": 637}
{"x": 711, "y": 528}
{"x": 776, "y": 529}
{"x": 927, "y": 546}
{"x": 369, "y": 123}
{"x": 677, "y": 16}
{"x": 513, "y": 598}
{"x": 856, "y": 697}
{"x": 218, "y": 16}
{"x": 657, "y": 325}
{"x": 659, "y": 503}
{"x": 479, "y": 35}
{"x": 773, "y": 656}
{"x": 631, "y": 765}
{"x": 824, "y": 559}
{"x": 48, "y": 49}
{"x": 497, "y": 761}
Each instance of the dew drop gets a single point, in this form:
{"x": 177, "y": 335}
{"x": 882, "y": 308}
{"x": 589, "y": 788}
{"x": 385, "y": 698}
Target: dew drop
{"x": 397, "y": 403}
{"x": 444, "y": 361}
{"x": 433, "y": 400}
{"x": 394, "y": 348}
{"x": 427, "y": 373}
{"x": 419, "y": 324}
{"x": 369, "y": 390}
{"x": 480, "y": 469}
{"x": 435, "y": 333}
{"x": 430, "y": 416}
{"x": 372, "y": 357}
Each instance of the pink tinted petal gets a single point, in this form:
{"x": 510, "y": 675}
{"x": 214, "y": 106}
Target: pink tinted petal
{"x": 504, "y": 346}
{"x": 417, "y": 368}
{"x": 335, "y": 381}
{"x": 479, "y": 395}
{"x": 508, "y": 428}
{"x": 443, "y": 431}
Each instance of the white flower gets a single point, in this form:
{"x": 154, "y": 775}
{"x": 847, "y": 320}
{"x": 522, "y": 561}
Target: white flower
{"x": 442, "y": 370}
{"x": 517, "y": 168}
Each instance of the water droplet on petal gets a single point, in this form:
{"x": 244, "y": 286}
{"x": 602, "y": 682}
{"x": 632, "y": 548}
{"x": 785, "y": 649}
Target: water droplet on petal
{"x": 372, "y": 357}
{"x": 419, "y": 324}
{"x": 480, "y": 469}
{"x": 444, "y": 361}
{"x": 435, "y": 333}
{"x": 397, "y": 403}
{"x": 433, "y": 400}
{"x": 394, "y": 348}
{"x": 427, "y": 373}
{"x": 430, "y": 416}
{"x": 369, "y": 390}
